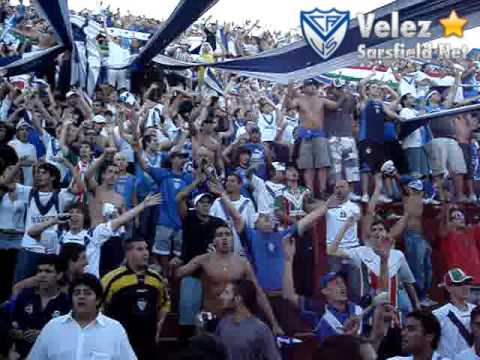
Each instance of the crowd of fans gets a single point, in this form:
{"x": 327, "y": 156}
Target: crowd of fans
{"x": 158, "y": 185}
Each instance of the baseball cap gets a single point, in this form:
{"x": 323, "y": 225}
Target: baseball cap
{"x": 70, "y": 93}
{"x": 330, "y": 276}
{"x": 430, "y": 94}
{"x": 278, "y": 166}
{"x": 455, "y": 276}
{"x": 127, "y": 98}
{"x": 23, "y": 123}
{"x": 199, "y": 197}
{"x": 309, "y": 82}
{"x": 99, "y": 119}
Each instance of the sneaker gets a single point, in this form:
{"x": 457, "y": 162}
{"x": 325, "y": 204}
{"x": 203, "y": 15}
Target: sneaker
{"x": 354, "y": 197}
{"x": 431, "y": 201}
{"x": 388, "y": 168}
{"x": 385, "y": 199}
{"x": 473, "y": 198}
{"x": 365, "y": 198}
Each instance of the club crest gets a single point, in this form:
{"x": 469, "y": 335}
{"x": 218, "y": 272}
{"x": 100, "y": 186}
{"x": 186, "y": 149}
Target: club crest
{"x": 324, "y": 31}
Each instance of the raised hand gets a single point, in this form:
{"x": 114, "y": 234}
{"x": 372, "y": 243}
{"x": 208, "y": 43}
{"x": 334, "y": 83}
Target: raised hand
{"x": 152, "y": 200}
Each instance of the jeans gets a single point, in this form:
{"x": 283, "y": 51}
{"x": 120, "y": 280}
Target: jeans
{"x": 191, "y": 294}
{"x": 418, "y": 254}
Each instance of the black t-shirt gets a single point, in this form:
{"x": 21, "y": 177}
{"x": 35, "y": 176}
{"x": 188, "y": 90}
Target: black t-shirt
{"x": 28, "y": 313}
{"x": 197, "y": 235}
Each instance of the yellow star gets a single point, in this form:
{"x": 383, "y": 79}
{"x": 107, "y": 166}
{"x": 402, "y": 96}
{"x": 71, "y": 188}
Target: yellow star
{"x": 453, "y": 25}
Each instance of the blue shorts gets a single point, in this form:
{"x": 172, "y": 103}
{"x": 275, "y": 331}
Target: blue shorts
{"x": 167, "y": 240}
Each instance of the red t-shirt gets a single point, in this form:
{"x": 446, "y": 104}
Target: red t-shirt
{"x": 462, "y": 249}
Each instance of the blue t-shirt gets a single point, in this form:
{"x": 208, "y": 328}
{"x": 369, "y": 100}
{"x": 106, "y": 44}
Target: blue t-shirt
{"x": 258, "y": 159}
{"x": 309, "y": 311}
{"x": 266, "y": 253}
{"x": 125, "y": 186}
{"x": 170, "y": 185}
{"x": 389, "y": 131}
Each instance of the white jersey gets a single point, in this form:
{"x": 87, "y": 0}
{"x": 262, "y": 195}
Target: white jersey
{"x": 25, "y": 149}
{"x": 92, "y": 240}
{"x": 265, "y": 193}
{"x": 336, "y": 218}
{"x": 267, "y": 124}
{"x": 452, "y": 342}
{"x": 42, "y": 206}
{"x": 468, "y": 354}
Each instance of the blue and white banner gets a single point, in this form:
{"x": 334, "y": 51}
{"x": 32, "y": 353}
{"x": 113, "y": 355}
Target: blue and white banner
{"x": 184, "y": 15}
{"x": 128, "y": 34}
{"x": 31, "y": 61}
{"x": 298, "y": 61}
{"x": 85, "y": 60}
{"x": 57, "y": 14}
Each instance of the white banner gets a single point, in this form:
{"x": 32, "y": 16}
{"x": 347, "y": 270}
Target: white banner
{"x": 129, "y": 34}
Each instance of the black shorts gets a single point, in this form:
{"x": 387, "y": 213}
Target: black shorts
{"x": 392, "y": 150}
{"x": 371, "y": 156}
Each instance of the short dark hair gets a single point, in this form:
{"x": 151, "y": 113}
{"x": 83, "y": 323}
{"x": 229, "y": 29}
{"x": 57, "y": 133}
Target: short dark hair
{"x": 71, "y": 252}
{"x": 128, "y": 243}
{"x": 430, "y": 325}
{"x": 53, "y": 171}
{"x": 247, "y": 290}
{"x": 379, "y": 222}
{"x": 219, "y": 226}
{"x": 51, "y": 259}
{"x": 239, "y": 178}
{"x": 83, "y": 208}
{"x": 90, "y": 281}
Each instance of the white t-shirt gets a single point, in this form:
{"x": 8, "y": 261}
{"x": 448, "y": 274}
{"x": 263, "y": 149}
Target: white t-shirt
{"x": 451, "y": 342}
{"x": 25, "y": 149}
{"x": 47, "y": 243}
{"x": 93, "y": 240}
{"x": 117, "y": 55}
{"x": 415, "y": 138}
{"x": 153, "y": 117}
{"x": 12, "y": 213}
{"x": 247, "y": 211}
{"x": 265, "y": 193}
{"x": 468, "y": 354}
{"x": 267, "y": 124}
{"x": 53, "y": 149}
{"x": 336, "y": 218}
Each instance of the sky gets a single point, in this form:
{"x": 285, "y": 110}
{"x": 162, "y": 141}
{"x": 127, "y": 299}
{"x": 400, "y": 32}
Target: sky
{"x": 273, "y": 14}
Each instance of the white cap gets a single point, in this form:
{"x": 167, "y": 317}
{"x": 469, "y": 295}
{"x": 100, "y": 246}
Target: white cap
{"x": 278, "y": 166}
{"x": 99, "y": 119}
{"x": 127, "y": 98}
{"x": 70, "y": 93}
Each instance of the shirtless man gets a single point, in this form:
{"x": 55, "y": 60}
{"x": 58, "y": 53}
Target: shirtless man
{"x": 220, "y": 268}
{"x": 205, "y": 141}
{"x": 417, "y": 249}
{"x": 465, "y": 124}
{"x": 313, "y": 156}
{"x": 103, "y": 192}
